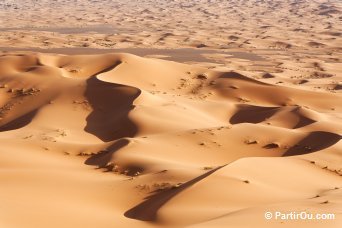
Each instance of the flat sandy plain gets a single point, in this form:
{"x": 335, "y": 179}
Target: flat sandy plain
{"x": 169, "y": 113}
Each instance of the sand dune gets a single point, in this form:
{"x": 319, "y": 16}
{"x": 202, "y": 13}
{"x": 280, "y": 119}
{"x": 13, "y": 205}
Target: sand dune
{"x": 120, "y": 140}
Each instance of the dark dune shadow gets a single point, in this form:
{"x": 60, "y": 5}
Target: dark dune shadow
{"x": 303, "y": 121}
{"x": 234, "y": 75}
{"x": 19, "y": 122}
{"x": 147, "y": 210}
{"x": 315, "y": 141}
{"x": 102, "y": 158}
{"x": 111, "y": 104}
{"x": 252, "y": 114}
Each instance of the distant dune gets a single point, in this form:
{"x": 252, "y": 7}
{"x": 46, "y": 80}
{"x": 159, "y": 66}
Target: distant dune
{"x": 293, "y": 39}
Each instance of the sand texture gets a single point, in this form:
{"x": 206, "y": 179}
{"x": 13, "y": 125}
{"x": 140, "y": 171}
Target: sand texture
{"x": 224, "y": 111}
{"x": 300, "y": 40}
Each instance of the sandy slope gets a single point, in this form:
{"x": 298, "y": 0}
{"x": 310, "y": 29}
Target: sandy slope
{"x": 117, "y": 140}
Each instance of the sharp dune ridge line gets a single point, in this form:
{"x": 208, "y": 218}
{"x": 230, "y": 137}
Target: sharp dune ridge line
{"x": 120, "y": 140}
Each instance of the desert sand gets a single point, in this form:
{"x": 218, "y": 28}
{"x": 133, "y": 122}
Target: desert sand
{"x": 169, "y": 113}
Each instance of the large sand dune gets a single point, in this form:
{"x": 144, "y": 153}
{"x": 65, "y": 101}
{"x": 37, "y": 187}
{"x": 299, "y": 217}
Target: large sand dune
{"x": 119, "y": 140}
